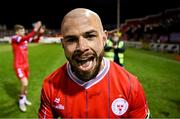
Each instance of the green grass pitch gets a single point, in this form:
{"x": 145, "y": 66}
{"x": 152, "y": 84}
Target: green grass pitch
{"x": 159, "y": 74}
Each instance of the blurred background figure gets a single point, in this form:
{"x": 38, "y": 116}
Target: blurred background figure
{"x": 115, "y": 48}
{"x": 20, "y": 51}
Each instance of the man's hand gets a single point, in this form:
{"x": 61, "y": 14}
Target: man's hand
{"x": 42, "y": 29}
{"x": 37, "y": 26}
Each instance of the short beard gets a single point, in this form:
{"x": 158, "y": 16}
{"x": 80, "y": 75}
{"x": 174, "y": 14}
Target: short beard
{"x": 86, "y": 76}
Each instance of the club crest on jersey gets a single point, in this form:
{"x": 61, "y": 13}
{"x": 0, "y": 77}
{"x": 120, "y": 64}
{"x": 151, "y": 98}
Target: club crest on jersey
{"x": 119, "y": 106}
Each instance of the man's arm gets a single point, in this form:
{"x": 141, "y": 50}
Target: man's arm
{"x": 108, "y": 45}
{"x": 120, "y": 48}
{"x": 107, "y": 48}
{"x": 37, "y": 37}
{"x": 45, "y": 110}
{"x": 27, "y": 37}
{"x": 139, "y": 107}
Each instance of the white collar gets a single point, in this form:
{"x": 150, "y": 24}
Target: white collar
{"x": 93, "y": 81}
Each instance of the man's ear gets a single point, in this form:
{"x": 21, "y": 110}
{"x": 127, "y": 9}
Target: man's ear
{"x": 105, "y": 35}
{"x": 62, "y": 42}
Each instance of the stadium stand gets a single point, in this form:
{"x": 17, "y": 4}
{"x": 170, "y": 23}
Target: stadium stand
{"x": 158, "y": 32}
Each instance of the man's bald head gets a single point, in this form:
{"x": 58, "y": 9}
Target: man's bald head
{"x": 79, "y": 13}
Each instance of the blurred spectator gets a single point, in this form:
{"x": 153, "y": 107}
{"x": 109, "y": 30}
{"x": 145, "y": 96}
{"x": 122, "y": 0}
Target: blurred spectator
{"x": 115, "y": 48}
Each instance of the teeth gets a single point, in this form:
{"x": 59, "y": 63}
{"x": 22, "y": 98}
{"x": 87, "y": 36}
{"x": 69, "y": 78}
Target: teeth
{"x": 85, "y": 63}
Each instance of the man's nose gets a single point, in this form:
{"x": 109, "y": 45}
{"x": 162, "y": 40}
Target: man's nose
{"x": 82, "y": 43}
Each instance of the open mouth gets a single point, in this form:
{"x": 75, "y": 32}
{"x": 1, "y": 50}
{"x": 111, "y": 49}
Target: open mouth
{"x": 85, "y": 64}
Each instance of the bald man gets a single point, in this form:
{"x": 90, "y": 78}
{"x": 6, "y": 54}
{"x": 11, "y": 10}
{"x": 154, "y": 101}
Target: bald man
{"x": 88, "y": 85}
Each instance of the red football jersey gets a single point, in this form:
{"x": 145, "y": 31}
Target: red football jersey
{"x": 20, "y": 50}
{"x": 113, "y": 93}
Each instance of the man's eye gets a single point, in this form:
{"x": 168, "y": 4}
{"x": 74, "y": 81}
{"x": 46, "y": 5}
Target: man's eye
{"x": 91, "y": 36}
{"x": 70, "y": 39}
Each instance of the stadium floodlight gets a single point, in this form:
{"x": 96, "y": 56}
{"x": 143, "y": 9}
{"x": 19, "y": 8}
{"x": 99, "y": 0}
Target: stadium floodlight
{"x": 118, "y": 14}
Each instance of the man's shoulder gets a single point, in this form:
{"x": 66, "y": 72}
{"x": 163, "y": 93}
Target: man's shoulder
{"x": 15, "y": 36}
{"x": 121, "y": 72}
{"x": 56, "y": 75}
{"x": 124, "y": 78}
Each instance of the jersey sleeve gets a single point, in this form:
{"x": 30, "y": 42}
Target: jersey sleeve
{"x": 138, "y": 107}
{"x": 37, "y": 38}
{"x": 27, "y": 37}
{"x": 45, "y": 110}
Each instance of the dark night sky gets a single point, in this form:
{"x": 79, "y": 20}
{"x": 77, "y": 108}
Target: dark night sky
{"x": 51, "y": 12}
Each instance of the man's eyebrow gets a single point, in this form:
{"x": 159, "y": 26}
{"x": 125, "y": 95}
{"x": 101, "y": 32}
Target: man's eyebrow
{"x": 69, "y": 36}
{"x": 91, "y": 31}
{"x": 74, "y": 36}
